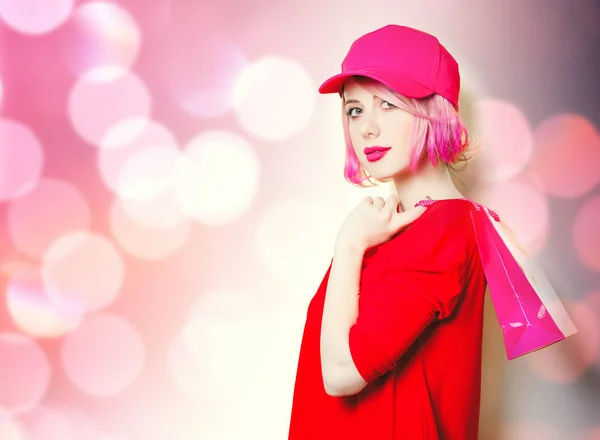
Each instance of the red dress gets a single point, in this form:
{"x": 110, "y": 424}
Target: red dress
{"x": 417, "y": 340}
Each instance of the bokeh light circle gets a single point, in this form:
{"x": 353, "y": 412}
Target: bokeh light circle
{"x": 184, "y": 370}
{"x": 148, "y": 173}
{"x": 507, "y": 139}
{"x": 25, "y": 373}
{"x": 591, "y": 434}
{"x": 198, "y": 355}
{"x": 22, "y": 159}
{"x": 217, "y": 178}
{"x": 274, "y": 98}
{"x": 11, "y": 430}
{"x": 48, "y": 211}
{"x": 160, "y": 212}
{"x": 146, "y": 242}
{"x": 147, "y": 188}
{"x": 586, "y": 233}
{"x": 49, "y": 424}
{"x": 566, "y": 158}
{"x": 101, "y": 34}
{"x": 221, "y": 327}
{"x": 567, "y": 360}
{"x": 81, "y": 423}
{"x": 33, "y": 16}
{"x": 295, "y": 233}
{"x": 522, "y": 208}
{"x": 118, "y": 146}
{"x": 32, "y": 310}
{"x": 99, "y": 100}
{"x": 124, "y": 132}
{"x": 104, "y": 355}
{"x": 202, "y": 73}
{"x": 82, "y": 272}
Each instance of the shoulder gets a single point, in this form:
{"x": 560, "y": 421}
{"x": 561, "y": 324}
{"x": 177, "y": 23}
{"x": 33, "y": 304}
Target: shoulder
{"x": 450, "y": 209}
{"x": 445, "y": 218}
{"x": 443, "y": 231}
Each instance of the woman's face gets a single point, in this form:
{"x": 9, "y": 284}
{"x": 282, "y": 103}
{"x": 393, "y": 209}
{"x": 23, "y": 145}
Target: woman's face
{"x": 379, "y": 131}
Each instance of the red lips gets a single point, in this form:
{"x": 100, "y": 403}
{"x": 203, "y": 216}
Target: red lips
{"x": 375, "y": 149}
{"x": 375, "y": 153}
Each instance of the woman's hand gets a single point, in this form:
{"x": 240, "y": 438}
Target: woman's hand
{"x": 374, "y": 221}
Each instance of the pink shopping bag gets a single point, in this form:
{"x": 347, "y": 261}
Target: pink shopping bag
{"x": 528, "y": 310}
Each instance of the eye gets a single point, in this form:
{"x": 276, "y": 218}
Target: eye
{"x": 387, "y": 104}
{"x": 353, "y": 112}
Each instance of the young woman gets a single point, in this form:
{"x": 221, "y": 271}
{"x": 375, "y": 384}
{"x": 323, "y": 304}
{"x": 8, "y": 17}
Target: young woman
{"x": 392, "y": 342}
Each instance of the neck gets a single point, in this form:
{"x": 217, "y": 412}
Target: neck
{"x": 429, "y": 182}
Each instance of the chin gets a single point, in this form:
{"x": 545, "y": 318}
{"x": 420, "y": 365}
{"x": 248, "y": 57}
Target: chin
{"x": 387, "y": 174}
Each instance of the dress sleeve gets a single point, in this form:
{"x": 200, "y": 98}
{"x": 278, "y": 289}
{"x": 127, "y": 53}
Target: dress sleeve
{"x": 421, "y": 282}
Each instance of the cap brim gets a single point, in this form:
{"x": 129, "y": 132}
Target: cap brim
{"x": 397, "y": 83}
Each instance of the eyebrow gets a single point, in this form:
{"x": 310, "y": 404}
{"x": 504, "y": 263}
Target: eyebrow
{"x": 351, "y": 101}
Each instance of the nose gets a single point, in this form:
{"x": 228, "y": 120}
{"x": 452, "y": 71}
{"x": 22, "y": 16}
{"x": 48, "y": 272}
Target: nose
{"x": 370, "y": 127}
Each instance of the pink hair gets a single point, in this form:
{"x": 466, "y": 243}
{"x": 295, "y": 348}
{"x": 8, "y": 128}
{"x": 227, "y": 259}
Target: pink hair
{"x": 439, "y": 133}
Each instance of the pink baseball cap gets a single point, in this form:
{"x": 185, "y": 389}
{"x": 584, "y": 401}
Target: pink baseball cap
{"x": 410, "y": 62}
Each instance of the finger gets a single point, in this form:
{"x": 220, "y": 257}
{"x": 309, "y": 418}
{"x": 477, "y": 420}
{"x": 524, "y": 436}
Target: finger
{"x": 378, "y": 202}
{"x": 367, "y": 200}
{"x": 391, "y": 204}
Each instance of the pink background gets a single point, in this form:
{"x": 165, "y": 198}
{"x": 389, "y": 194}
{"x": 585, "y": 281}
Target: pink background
{"x": 171, "y": 184}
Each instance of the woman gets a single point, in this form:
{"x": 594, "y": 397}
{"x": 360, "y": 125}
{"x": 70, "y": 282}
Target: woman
{"x": 392, "y": 342}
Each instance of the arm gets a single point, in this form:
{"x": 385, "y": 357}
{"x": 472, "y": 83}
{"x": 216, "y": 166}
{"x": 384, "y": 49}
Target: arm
{"x": 396, "y": 311}
{"x": 359, "y": 344}
{"x": 340, "y": 312}
{"x": 421, "y": 283}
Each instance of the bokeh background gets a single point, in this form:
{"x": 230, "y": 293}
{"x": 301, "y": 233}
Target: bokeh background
{"x": 171, "y": 185}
